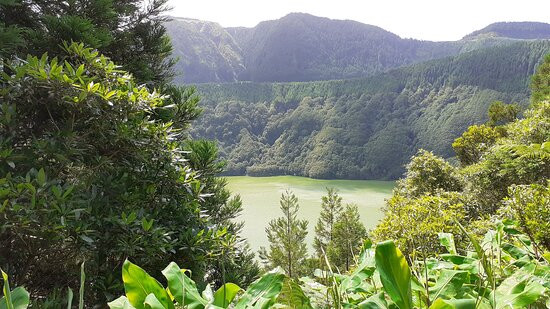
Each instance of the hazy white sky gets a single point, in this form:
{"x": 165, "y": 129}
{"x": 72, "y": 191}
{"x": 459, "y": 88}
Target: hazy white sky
{"x": 420, "y": 19}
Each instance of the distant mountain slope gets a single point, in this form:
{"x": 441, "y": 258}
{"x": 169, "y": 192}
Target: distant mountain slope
{"x": 363, "y": 128}
{"x": 205, "y": 50}
{"x": 303, "y": 47}
{"x": 514, "y": 30}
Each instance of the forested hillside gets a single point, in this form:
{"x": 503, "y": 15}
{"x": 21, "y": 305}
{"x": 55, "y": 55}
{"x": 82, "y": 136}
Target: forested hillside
{"x": 303, "y": 47}
{"x": 516, "y": 30}
{"x": 362, "y": 128}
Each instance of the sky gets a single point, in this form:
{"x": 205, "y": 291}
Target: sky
{"x": 435, "y": 20}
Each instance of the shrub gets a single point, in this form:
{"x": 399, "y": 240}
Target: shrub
{"x": 474, "y": 143}
{"x": 91, "y": 168}
{"x": 428, "y": 174}
{"x": 414, "y": 223}
{"x": 531, "y": 206}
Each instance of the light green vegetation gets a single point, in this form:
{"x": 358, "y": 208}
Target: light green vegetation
{"x": 260, "y": 197}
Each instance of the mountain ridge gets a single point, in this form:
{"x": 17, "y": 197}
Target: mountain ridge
{"x": 304, "y": 47}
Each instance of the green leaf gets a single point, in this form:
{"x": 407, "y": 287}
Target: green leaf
{"x": 448, "y": 283}
{"x": 80, "y": 70}
{"x": 7, "y": 293}
{"x": 146, "y": 224}
{"x": 231, "y": 291}
{"x": 454, "y": 304}
{"x": 480, "y": 254}
{"x": 263, "y": 292}
{"x": 19, "y": 299}
{"x": 138, "y": 284}
{"x": 517, "y": 291}
{"x": 152, "y": 302}
{"x": 394, "y": 273}
{"x": 447, "y": 240}
{"x": 183, "y": 288}
{"x": 292, "y": 295}
{"x": 120, "y": 303}
{"x": 377, "y": 301}
{"x": 41, "y": 177}
{"x": 69, "y": 298}
{"x": 81, "y": 291}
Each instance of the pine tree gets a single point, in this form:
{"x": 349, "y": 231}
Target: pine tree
{"x": 331, "y": 208}
{"x": 348, "y": 235}
{"x": 236, "y": 264}
{"x": 286, "y": 237}
{"x": 130, "y": 32}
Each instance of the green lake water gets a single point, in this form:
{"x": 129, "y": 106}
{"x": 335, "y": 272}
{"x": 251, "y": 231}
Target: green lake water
{"x": 260, "y": 196}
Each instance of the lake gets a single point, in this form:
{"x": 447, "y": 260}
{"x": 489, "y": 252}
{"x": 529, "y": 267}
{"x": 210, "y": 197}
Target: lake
{"x": 260, "y": 196}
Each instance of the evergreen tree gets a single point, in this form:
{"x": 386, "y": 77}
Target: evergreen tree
{"x": 130, "y": 32}
{"x": 286, "y": 237}
{"x": 348, "y": 235}
{"x": 331, "y": 207}
{"x": 235, "y": 261}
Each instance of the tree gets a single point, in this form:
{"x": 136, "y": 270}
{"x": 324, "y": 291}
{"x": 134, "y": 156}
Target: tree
{"x": 92, "y": 169}
{"x": 331, "y": 207}
{"x": 349, "y": 234}
{"x": 234, "y": 259}
{"x": 286, "y": 235}
{"x": 540, "y": 82}
{"x": 130, "y": 32}
{"x": 501, "y": 113}
{"x": 414, "y": 223}
{"x": 474, "y": 143}
{"x": 428, "y": 174}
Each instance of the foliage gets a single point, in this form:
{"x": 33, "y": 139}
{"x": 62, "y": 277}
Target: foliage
{"x": 519, "y": 30}
{"x": 513, "y": 160}
{"x": 531, "y": 208}
{"x": 92, "y": 169}
{"x": 428, "y": 174}
{"x": 286, "y": 235}
{"x": 501, "y": 113}
{"x": 500, "y": 162}
{"x": 540, "y": 83}
{"x": 129, "y": 32}
{"x": 415, "y": 223}
{"x": 474, "y": 142}
{"x": 503, "y": 271}
{"x": 362, "y": 128}
{"x": 233, "y": 260}
{"x": 331, "y": 208}
{"x": 519, "y": 278}
{"x": 348, "y": 233}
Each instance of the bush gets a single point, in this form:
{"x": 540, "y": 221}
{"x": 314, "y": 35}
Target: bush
{"x": 414, "y": 223}
{"x": 474, "y": 143}
{"x": 428, "y": 174}
{"x": 91, "y": 169}
{"x": 531, "y": 206}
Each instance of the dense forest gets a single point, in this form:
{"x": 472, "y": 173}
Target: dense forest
{"x": 362, "y": 128}
{"x": 303, "y": 47}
